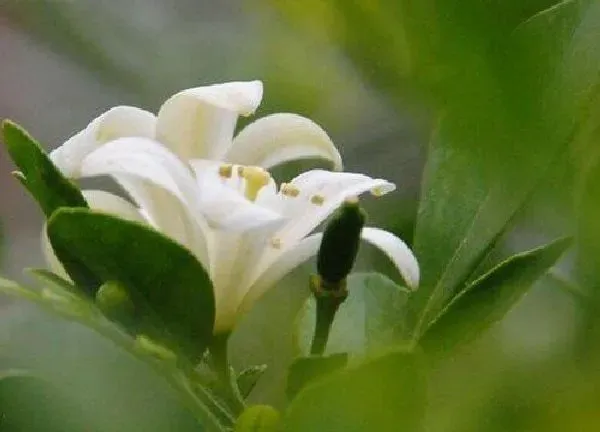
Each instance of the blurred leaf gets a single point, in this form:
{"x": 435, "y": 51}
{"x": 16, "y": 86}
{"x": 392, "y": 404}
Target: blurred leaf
{"x": 247, "y": 379}
{"x": 189, "y": 386}
{"x": 259, "y": 418}
{"x": 490, "y": 297}
{"x": 369, "y": 319}
{"x": 160, "y": 276}
{"x": 28, "y": 403}
{"x": 38, "y": 174}
{"x": 384, "y": 394}
{"x": 305, "y": 370}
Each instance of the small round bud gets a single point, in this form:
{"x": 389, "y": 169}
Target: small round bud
{"x": 339, "y": 246}
{"x": 259, "y": 418}
{"x": 113, "y": 299}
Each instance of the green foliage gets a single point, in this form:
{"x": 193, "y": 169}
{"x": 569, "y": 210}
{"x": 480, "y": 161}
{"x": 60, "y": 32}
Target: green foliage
{"x": 38, "y": 174}
{"x": 248, "y": 378}
{"x": 305, "y": 370}
{"x": 383, "y": 394}
{"x": 29, "y": 403}
{"x": 489, "y": 298}
{"x": 259, "y": 418}
{"x": 163, "y": 279}
{"x": 369, "y": 319}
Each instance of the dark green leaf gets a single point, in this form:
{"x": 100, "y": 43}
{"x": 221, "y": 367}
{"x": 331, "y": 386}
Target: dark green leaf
{"x": 489, "y": 298}
{"x": 39, "y": 175}
{"x": 384, "y": 394}
{"x": 28, "y": 403}
{"x": 305, "y": 370}
{"x": 371, "y": 318}
{"x": 247, "y": 379}
{"x": 162, "y": 277}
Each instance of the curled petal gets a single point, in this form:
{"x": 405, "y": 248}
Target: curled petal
{"x": 198, "y": 123}
{"x": 397, "y": 251}
{"x": 319, "y": 193}
{"x": 118, "y": 122}
{"x": 280, "y": 138}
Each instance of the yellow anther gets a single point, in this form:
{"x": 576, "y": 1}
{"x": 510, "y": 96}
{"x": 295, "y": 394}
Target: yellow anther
{"x": 226, "y": 171}
{"x": 276, "y": 242}
{"x": 256, "y": 178}
{"x": 240, "y": 171}
{"x": 289, "y": 190}
{"x": 378, "y": 191}
{"x": 317, "y": 199}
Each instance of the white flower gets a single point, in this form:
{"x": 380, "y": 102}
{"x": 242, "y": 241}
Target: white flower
{"x": 246, "y": 232}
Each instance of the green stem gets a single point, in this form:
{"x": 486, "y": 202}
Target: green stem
{"x": 326, "y": 309}
{"x": 220, "y": 364}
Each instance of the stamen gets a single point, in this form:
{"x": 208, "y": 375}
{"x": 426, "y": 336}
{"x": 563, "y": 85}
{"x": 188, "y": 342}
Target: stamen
{"x": 226, "y": 171}
{"x": 276, "y": 242}
{"x": 317, "y": 199}
{"x": 378, "y": 191}
{"x": 289, "y": 190}
{"x": 256, "y": 178}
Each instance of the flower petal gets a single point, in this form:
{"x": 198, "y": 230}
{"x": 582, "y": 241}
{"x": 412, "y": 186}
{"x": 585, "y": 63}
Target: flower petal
{"x": 161, "y": 185}
{"x": 198, "y": 123}
{"x": 266, "y": 276}
{"x": 118, "y": 122}
{"x": 113, "y": 204}
{"x": 319, "y": 194}
{"x": 280, "y": 138}
{"x": 397, "y": 251}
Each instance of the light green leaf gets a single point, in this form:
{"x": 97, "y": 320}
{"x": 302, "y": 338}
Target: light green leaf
{"x": 305, "y": 370}
{"x": 384, "y": 394}
{"x": 182, "y": 377}
{"x": 38, "y": 174}
{"x": 162, "y": 278}
{"x": 489, "y": 298}
{"x": 370, "y": 318}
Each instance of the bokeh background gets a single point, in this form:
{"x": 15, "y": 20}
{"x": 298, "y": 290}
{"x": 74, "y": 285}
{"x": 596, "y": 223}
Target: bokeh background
{"x": 379, "y": 76}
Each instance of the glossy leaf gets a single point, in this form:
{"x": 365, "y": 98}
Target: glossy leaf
{"x": 38, "y": 174}
{"x": 305, "y": 370}
{"x": 370, "y": 318}
{"x": 490, "y": 297}
{"x": 161, "y": 277}
{"x": 384, "y": 394}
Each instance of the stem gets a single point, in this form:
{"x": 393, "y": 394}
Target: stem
{"x": 326, "y": 309}
{"x": 329, "y": 297}
{"x": 220, "y": 364}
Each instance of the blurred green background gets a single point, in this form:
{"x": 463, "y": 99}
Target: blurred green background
{"x": 509, "y": 87}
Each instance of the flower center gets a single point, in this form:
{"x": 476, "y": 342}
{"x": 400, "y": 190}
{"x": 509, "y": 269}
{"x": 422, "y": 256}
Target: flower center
{"x": 256, "y": 178}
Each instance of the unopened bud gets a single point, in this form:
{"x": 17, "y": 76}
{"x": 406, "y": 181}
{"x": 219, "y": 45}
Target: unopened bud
{"x": 113, "y": 299}
{"x": 259, "y": 418}
{"x": 339, "y": 246}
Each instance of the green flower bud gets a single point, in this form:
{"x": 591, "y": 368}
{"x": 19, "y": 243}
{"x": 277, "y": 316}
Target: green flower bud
{"x": 339, "y": 246}
{"x": 113, "y": 299}
{"x": 259, "y": 418}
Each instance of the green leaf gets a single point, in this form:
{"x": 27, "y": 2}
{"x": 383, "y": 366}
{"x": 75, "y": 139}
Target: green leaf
{"x": 29, "y": 403}
{"x": 490, "y": 297}
{"x": 305, "y": 370}
{"x": 371, "y": 317}
{"x": 162, "y": 278}
{"x": 384, "y": 394}
{"x": 248, "y": 378}
{"x": 38, "y": 174}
